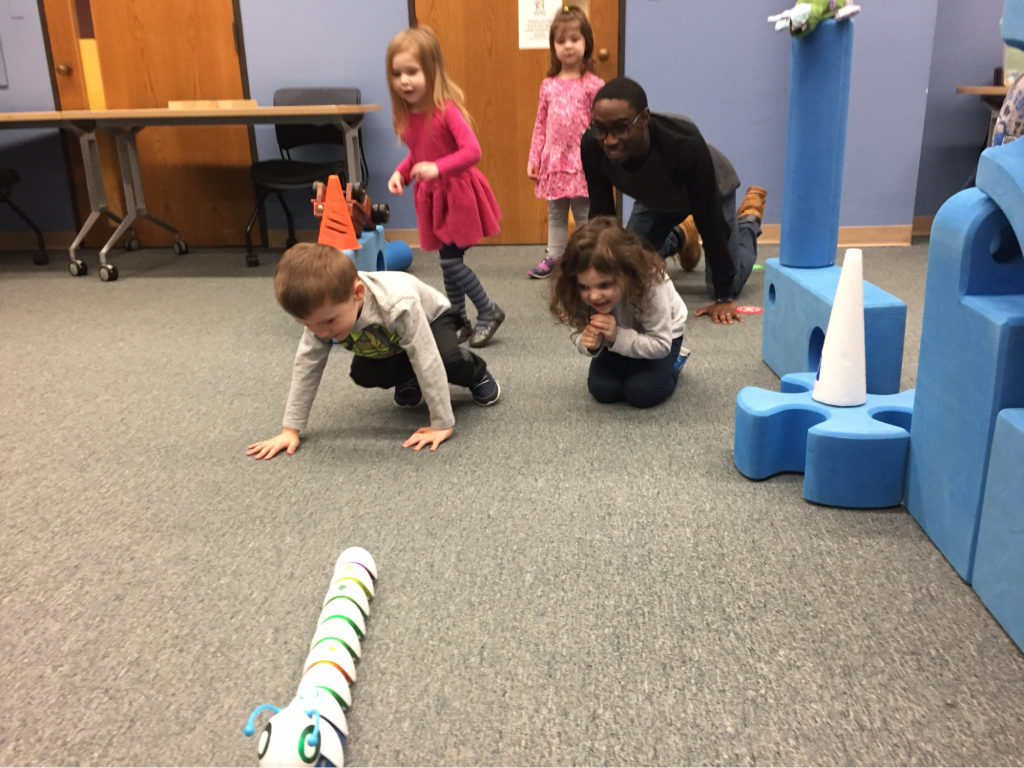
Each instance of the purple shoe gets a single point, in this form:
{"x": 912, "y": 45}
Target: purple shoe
{"x": 543, "y": 269}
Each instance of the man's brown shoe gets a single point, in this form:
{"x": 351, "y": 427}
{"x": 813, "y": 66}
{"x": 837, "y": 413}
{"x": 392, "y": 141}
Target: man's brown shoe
{"x": 689, "y": 246}
{"x": 753, "y": 203}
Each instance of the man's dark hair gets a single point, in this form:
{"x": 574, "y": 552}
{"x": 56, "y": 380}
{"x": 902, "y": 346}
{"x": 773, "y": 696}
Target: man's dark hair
{"x": 626, "y": 90}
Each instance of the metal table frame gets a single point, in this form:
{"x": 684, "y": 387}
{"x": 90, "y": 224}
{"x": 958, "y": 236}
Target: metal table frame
{"x": 124, "y": 124}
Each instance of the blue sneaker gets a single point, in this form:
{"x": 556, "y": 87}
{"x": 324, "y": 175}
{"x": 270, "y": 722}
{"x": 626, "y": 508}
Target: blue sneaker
{"x": 543, "y": 269}
{"x": 408, "y": 395}
{"x": 486, "y": 391}
{"x": 684, "y": 354}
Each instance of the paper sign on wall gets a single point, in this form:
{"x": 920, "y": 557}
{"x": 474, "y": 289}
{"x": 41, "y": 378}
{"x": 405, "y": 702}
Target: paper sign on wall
{"x": 535, "y": 20}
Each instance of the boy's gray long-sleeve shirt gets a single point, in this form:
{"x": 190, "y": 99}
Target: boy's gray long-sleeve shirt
{"x": 650, "y": 332}
{"x": 402, "y": 305}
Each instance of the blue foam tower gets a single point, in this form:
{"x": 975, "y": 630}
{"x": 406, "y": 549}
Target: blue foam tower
{"x": 1012, "y": 25}
{"x": 370, "y": 258}
{"x": 797, "y": 305}
{"x": 851, "y": 457}
{"x": 800, "y": 285}
{"x": 970, "y": 367}
{"x": 812, "y": 186}
{"x": 999, "y": 560}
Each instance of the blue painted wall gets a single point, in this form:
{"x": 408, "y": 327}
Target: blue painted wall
{"x": 338, "y": 43}
{"x": 43, "y": 192}
{"x": 738, "y": 92}
{"x": 718, "y": 61}
{"x": 966, "y": 49}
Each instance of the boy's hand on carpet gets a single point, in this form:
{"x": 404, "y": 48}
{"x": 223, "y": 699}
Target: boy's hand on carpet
{"x": 427, "y": 436}
{"x": 288, "y": 441}
{"x": 721, "y": 312}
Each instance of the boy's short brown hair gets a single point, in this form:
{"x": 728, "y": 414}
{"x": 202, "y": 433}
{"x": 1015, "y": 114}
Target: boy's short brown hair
{"x": 311, "y": 275}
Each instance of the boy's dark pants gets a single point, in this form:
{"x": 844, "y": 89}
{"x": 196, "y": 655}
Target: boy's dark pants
{"x": 641, "y": 382}
{"x": 462, "y": 366}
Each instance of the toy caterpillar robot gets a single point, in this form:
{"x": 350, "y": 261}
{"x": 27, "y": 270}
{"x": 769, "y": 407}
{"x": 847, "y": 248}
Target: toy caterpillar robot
{"x": 311, "y": 730}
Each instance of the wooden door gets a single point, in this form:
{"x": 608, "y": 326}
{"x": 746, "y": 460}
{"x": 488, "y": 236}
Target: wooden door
{"x": 67, "y": 26}
{"x": 154, "y": 51}
{"x": 480, "y": 41}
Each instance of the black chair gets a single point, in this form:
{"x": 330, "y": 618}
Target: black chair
{"x": 278, "y": 176}
{"x": 8, "y": 178}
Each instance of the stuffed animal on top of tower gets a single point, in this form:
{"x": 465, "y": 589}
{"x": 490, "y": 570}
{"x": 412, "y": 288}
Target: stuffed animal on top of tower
{"x": 803, "y": 17}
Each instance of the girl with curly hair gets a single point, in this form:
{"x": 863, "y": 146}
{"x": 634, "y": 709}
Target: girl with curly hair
{"x": 624, "y": 311}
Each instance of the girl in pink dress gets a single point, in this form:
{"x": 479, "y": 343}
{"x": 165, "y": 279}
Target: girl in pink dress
{"x": 455, "y": 208}
{"x": 564, "y": 112}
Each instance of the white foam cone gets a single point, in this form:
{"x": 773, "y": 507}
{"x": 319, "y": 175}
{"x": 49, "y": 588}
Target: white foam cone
{"x": 841, "y": 376}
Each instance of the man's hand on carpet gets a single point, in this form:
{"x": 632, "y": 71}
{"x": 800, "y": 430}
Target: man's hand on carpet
{"x": 427, "y": 436}
{"x": 288, "y": 441}
{"x": 721, "y": 312}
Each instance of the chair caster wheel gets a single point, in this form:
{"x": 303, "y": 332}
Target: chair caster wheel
{"x": 252, "y": 260}
{"x": 77, "y": 268}
{"x": 180, "y": 247}
{"x": 40, "y": 259}
{"x": 132, "y": 244}
{"x": 108, "y": 273}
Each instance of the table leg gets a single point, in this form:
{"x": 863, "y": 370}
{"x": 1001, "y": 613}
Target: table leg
{"x": 134, "y": 199}
{"x": 350, "y": 125}
{"x": 94, "y": 184}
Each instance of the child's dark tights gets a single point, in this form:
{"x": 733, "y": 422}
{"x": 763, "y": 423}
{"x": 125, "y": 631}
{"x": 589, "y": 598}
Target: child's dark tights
{"x": 460, "y": 281}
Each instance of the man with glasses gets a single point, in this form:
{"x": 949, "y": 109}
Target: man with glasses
{"x": 663, "y": 163}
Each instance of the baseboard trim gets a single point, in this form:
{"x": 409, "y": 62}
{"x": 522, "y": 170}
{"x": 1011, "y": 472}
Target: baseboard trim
{"x": 26, "y": 241}
{"x": 923, "y": 226}
{"x": 278, "y": 237}
{"x": 852, "y": 237}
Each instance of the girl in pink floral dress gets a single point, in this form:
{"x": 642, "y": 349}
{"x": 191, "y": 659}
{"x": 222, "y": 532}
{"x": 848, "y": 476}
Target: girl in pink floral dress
{"x": 455, "y": 208}
{"x": 564, "y": 112}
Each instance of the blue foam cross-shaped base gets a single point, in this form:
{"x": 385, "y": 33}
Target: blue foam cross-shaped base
{"x": 850, "y": 456}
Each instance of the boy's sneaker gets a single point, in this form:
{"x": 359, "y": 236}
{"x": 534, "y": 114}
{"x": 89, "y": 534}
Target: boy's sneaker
{"x": 486, "y": 391}
{"x": 543, "y": 269}
{"x": 408, "y": 395}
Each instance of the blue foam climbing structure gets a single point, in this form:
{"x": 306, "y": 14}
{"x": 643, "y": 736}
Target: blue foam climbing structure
{"x": 812, "y": 185}
{"x": 1012, "y": 25}
{"x": 797, "y": 306}
{"x": 851, "y": 457}
{"x": 970, "y": 367}
{"x": 999, "y": 561}
{"x": 370, "y": 258}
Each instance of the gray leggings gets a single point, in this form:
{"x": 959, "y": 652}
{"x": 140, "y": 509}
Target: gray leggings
{"x": 558, "y": 221}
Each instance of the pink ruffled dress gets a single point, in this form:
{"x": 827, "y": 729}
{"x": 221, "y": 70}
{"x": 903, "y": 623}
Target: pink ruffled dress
{"x": 458, "y": 207}
{"x": 563, "y": 114}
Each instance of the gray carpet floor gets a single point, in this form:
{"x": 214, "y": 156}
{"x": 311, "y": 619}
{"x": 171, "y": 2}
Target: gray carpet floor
{"x": 561, "y": 583}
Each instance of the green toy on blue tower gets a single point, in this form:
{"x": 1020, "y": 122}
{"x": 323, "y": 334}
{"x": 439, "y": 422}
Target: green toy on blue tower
{"x": 802, "y": 18}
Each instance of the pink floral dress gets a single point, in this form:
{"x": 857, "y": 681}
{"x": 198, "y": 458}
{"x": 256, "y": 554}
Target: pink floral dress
{"x": 563, "y": 115}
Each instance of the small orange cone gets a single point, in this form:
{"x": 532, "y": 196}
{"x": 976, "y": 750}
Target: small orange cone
{"x": 336, "y": 225}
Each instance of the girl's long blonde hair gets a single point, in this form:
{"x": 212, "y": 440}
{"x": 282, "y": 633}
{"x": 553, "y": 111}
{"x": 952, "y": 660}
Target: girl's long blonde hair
{"x": 422, "y": 43}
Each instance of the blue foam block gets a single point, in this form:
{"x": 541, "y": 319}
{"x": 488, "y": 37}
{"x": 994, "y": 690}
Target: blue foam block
{"x": 398, "y": 256}
{"x": 969, "y": 368}
{"x": 1012, "y": 26}
{"x": 1000, "y": 176}
{"x": 851, "y": 457}
{"x": 999, "y": 561}
{"x": 812, "y": 185}
{"x": 797, "y": 305}
{"x": 370, "y": 258}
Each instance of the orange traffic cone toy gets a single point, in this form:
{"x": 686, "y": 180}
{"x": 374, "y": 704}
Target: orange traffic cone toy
{"x": 336, "y": 225}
